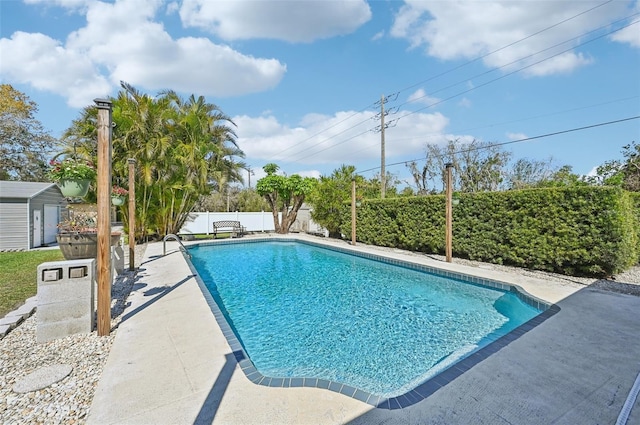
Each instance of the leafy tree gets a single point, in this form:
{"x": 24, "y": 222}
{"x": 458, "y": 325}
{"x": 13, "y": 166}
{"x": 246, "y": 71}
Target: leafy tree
{"x": 331, "y": 193}
{"x": 329, "y": 196}
{"x": 527, "y": 173}
{"x": 631, "y": 167}
{"x": 250, "y": 201}
{"x": 563, "y": 177}
{"x": 233, "y": 199}
{"x": 624, "y": 173}
{"x": 284, "y": 194}
{"x": 180, "y": 147}
{"x": 477, "y": 166}
{"x": 371, "y": 187}
{"x": 25, "y": 146}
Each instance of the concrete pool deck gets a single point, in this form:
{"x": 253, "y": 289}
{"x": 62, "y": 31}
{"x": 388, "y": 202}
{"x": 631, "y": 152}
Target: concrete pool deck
{"x": 171, "y": 364}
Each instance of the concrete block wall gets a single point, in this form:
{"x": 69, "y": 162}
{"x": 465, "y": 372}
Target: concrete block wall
{"x": 65, "y": 298}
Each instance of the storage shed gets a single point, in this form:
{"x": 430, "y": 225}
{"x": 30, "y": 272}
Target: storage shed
{"x": 29, "y": 214}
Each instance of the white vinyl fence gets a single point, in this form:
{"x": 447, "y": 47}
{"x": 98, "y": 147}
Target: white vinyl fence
{"x": 202, "y": 222}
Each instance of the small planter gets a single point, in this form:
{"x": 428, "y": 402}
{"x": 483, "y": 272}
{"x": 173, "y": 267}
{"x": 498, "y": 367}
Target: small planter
{"x": 117, "y": 200}
{"x": 76, "y": 246}
{"x": 74, "y": 188}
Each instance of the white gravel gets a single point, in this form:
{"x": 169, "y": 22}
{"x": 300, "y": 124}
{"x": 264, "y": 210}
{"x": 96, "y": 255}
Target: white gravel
{"x": 68, "y": 401}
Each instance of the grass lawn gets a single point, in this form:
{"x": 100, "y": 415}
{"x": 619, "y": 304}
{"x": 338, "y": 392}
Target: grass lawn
{"x": 18, "y": 276}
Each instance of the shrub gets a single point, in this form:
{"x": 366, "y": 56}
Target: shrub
{"x": 591, "y": 231}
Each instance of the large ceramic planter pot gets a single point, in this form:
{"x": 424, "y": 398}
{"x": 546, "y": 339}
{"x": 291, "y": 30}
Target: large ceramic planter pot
{"x": 117, "y": 200}
{"x": 76, "y": 246}
{"x": 74, "y": 188}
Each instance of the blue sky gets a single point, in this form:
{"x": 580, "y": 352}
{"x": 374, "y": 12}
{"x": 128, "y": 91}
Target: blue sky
{"x": 301, "y": 78}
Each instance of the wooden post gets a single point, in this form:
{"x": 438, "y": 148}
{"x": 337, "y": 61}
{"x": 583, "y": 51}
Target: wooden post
{"x": 104, "y": 217}
{"x": 132, "y": 214}
{"x": 353, "y": 212}
{"x": 449, "y": 213}
{"x": 383, "y": 171}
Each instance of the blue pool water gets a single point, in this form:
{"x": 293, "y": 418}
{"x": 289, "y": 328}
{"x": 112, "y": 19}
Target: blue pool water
{"x": 305, "y": 311}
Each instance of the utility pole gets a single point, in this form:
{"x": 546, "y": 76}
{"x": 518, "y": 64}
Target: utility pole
{"x": 383, "y": 172}
{"x": 249, "y": 172}
{"x": 448, "y": 212}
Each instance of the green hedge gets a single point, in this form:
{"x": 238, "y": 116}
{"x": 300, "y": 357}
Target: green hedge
{"x": 592, "y": 231}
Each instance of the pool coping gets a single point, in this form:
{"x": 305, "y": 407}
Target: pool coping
{"x": 413, "y": 396}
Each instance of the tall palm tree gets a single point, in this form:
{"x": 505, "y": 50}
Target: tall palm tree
{"x": 179, "y": 146}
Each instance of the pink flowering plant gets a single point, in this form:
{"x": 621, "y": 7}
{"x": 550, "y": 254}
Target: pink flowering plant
{"x": 71, "y": 169}
{"x": 119, "y": 191}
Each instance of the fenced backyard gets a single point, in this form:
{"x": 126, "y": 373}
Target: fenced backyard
{"x": 201, "y": 223}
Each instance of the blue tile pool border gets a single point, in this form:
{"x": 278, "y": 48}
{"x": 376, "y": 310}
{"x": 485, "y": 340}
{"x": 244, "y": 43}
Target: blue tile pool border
{"x": 411, "y": 397}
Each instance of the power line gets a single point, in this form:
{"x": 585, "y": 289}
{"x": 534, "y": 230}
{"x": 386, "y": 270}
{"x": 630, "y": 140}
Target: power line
{"x": 526, "y": 139}
{"x": 504, "y": 47}
{"x": 488, "y": 82}
{"x": 332, "y": 126}
{"x": 550, "y": 114}
{"x": 436, "y": 76}
{"x": 523, "y": 68}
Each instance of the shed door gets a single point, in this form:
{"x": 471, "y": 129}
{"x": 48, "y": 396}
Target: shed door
{"x": 51, "y": 219}
{"x": 37, "y": 228}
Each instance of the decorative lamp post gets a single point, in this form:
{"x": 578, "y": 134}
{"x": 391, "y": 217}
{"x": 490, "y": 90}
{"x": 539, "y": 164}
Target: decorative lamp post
{"x": 103, "y": 265}
{"x": 132, "y": 214}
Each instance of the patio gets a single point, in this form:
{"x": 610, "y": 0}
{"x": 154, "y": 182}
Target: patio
{"x": 171, "y": 364}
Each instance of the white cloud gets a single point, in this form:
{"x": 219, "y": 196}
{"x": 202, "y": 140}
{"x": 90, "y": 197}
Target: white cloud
{"x": 420, "y": 96}
{"x": 293, "y": 21}
{"x": 470, "y": 29}
{"x": 68, "y": 4}
{"x": 593, "y": 172}
{"x": 122, "y": 41}
{"x": 516, "y": 136}
{"x": 630, "y": 34}
{"x": 344, "y": 136}
{"x": 309, "y": 173}
{"x": 35, "y": 58}
{"x": 465, "y": 103}
{"x": 378, "y": 36}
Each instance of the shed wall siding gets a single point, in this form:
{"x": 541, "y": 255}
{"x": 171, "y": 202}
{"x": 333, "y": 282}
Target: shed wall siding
{"x": 13, "y": 224}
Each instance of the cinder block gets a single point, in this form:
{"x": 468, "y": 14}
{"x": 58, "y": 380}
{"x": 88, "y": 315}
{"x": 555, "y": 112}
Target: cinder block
{"x": 66, "y": 305}
{"x": 50, "y": 331}
{"x": 65, "y": 290}
{"x": 65, "y": 310}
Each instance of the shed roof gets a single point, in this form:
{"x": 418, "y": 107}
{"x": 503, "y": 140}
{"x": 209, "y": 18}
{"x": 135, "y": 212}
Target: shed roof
{"x": 23, "y": 190}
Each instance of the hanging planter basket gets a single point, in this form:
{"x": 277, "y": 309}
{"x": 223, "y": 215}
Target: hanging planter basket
{"x": 74, "y": 188}
{"x": 117, "y": 200}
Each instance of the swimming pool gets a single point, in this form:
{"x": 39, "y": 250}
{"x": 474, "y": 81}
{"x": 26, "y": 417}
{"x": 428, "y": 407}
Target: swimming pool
{"x": 304, "y": 314}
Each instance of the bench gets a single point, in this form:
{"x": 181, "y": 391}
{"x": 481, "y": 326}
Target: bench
{"x": 231, "y": 226}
